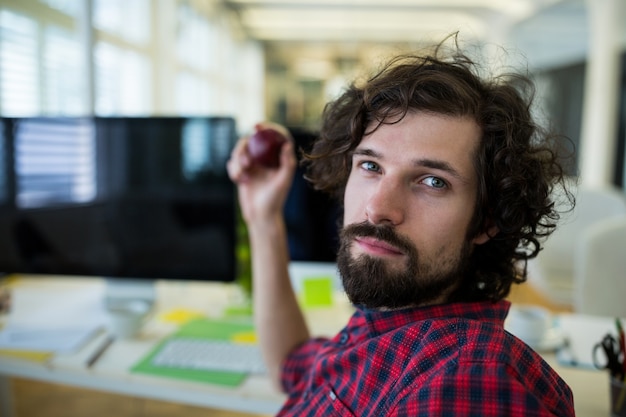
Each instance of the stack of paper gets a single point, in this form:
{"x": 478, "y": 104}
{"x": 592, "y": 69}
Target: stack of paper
{"x": 60, "y": 318}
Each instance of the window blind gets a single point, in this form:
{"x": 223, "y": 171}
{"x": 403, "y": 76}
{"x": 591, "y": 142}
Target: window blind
{"x": 192, "y": 94}
{"x": 19, "y": 69}
{"x": 122, "y": 81}
{"x": 127, "y": 20}
{"x": 64, "y": 82}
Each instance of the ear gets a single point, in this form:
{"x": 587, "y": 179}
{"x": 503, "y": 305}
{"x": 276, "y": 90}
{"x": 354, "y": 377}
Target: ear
{"x": 490, "y": 231}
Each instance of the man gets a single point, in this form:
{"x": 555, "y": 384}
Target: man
{"x": 445, "y": 184}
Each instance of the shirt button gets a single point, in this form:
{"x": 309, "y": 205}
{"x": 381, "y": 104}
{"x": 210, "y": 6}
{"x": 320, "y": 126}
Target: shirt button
{"x": 344, "y": 338}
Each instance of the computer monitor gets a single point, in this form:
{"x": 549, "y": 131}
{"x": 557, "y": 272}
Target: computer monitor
{"x": 137, "y": 199}
{"x": 118, "y": 197}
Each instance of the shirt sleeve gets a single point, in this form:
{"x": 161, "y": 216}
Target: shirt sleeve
{"x": 300, "y": 362}
{"x": 486, "y": 391}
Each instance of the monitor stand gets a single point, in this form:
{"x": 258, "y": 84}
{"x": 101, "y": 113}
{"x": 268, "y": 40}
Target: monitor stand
{"x": 128, "y": 303}
{"x": 120, "y": 291}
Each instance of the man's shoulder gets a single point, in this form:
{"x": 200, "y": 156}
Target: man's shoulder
{"x": 482, "y": 354}
{"x": 463, "y": 341}
{"x": 487, "y": 341}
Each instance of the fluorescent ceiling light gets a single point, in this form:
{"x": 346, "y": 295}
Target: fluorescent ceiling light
{"x": 513, "y": 8}
{"x": 356, "y": 24}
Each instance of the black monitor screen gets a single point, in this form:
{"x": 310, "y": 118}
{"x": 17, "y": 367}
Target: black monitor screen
{"x": 311, "y": 216}
{"x": 118, "y": 197}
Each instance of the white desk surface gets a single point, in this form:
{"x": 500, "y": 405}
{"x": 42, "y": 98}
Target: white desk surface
{"x": 256, "y": 395}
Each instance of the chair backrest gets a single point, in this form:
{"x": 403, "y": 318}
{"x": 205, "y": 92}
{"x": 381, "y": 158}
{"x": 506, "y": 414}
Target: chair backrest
{"x": 600, "y": 269}
{"x": 592, "y": 206}
{"x": 554, "y": 266}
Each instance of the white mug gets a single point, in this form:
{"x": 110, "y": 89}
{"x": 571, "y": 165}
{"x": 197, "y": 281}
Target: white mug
{"x": 127, "y": 317}
{"x": 529, "y": 322}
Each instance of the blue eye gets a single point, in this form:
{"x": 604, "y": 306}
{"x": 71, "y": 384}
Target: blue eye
{"x": 434, "y": 182}
{"x": 370, "y": 166}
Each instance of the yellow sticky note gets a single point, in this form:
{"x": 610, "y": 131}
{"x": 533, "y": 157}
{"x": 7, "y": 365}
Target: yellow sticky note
{"x": 180, "y": 316}
{"x": 317, "y": 291}
{"x": 244, "y": 337}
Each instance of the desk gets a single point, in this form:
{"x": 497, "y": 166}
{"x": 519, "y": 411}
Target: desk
{"x": 255, "y": 395}
{"x": 110, "y": 372}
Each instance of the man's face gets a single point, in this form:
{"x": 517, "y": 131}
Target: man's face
{"x": 408, "y": 204}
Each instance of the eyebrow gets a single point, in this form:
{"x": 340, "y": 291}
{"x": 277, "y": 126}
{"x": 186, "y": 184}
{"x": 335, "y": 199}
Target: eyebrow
{"x": 421, "y": 162}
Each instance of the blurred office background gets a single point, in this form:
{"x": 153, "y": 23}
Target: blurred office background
{"x": 283, "y": 59}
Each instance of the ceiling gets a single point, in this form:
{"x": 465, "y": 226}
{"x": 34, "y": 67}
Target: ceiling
{"x": 319, "y": 35}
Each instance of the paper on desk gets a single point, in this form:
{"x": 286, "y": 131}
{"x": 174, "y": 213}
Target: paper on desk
{"x": 29, "y": 355}
{"x": 57, "y": 319}
{"x": 582, "y": 332}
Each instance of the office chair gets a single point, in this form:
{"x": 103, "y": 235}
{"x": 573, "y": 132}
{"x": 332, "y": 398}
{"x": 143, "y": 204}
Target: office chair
{"x": 600, "y": 269}
{"x": 552, "y": 271}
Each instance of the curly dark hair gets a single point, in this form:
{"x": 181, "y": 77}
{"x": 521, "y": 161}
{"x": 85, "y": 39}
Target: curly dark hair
{"x": 516, "y": 162}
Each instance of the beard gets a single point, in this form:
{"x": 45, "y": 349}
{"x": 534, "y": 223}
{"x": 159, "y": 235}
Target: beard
{"x": 371, "y": 282}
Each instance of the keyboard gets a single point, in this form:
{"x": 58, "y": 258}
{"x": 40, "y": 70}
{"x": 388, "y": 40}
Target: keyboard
{"x": 210, "y": 355}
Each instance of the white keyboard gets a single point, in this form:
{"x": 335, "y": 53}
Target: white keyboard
{"x": 210, "y": 355}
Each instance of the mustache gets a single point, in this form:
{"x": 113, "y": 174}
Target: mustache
{"x": 381, "y": 232}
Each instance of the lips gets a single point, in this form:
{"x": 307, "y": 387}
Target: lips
{"x": 377, "y": 247}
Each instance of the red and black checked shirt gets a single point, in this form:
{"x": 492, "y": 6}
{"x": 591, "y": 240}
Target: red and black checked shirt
{"x": 449, "y": 360}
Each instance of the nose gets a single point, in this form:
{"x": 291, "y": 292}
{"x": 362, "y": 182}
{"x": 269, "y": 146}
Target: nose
{"x": 385, "y": 204}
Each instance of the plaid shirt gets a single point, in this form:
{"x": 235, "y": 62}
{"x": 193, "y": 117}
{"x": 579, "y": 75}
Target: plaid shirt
{"x": 447, "y": 360}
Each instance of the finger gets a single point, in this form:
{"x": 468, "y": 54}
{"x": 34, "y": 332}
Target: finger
{"x": 288, "y": 161}
{"x": 239, "y": 162}
{"x": 287, "y": 154}
{"x": 240, "y": 153}
{"x": 234, "y": 170}
{"x": 241, "y": 146}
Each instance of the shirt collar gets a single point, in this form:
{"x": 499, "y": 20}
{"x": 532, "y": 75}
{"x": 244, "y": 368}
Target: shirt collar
{"x": 379, "y": 322}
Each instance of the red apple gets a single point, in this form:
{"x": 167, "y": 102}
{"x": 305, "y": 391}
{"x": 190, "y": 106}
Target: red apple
{"x": 264, "y": 147}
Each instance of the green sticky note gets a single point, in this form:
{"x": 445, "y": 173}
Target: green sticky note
{"x": 317, "y": 291}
